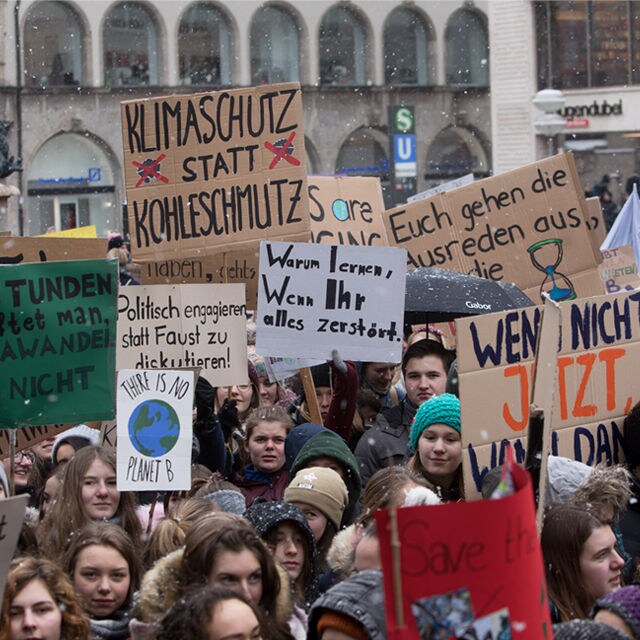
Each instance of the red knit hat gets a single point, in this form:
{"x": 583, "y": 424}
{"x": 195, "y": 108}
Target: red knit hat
{"x": 333, "y": 620}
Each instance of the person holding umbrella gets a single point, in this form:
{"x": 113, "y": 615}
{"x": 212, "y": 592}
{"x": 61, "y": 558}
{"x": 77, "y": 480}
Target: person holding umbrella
{"x": 425, "y": 365}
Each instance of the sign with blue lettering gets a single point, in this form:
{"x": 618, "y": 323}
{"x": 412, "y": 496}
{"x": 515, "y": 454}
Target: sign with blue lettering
{"x": 595, "y": 389}
{"x": 404, "y": 155}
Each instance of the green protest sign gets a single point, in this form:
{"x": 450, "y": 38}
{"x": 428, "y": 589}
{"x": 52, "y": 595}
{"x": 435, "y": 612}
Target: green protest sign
{"x": 57, "y": 342}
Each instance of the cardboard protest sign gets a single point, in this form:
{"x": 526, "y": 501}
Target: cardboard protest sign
{"x": 12, "y": 512}
{"x": 314, "y": 298}
{"x": 30, "y": 436}
{"x": 155, "y": 430}
{"x": 211, "y": 173}
{"x": 77, "y": 232}
{"x": 600, "y": 344}
{"x": 182, "y": 326}
{"x": 57, "y": 342}
{"x": 526, "y": 227}
{"x": 595, "y": 223}
{"x": 619, "y": 271}
{"x": 109, "y": 434}
{"x": 16, "y": 250}
{"x": 452, "y": 568}
{"x": 346, "y": 210}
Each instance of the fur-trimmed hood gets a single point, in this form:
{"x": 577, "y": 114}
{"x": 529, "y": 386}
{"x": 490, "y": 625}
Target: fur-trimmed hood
{"x": 164, "y": 584}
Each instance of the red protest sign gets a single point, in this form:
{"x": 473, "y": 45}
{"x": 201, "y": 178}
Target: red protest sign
{"x": 463, "y": 566}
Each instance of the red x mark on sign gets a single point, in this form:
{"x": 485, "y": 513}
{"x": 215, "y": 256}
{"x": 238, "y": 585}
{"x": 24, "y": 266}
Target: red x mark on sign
{"x": 282, "y": 151}
{"x": 148, "y": 171}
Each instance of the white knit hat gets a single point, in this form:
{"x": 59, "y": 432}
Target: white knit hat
{"x": 92, "y": 436}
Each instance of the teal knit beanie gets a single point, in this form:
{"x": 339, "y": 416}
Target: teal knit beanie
{"x": 442, "y": 409}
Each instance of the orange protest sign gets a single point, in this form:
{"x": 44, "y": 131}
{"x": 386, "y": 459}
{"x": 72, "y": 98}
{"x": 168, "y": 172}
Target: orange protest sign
{"x": 480, "y": 559}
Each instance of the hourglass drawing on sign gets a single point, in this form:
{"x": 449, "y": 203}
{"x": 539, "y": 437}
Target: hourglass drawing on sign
{"x": 546, "y": 256}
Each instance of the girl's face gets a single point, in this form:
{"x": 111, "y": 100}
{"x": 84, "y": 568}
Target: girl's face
{"x": 242, "y": 394}
{"x": 268, "y": 390}
{"x": 233, "y": 620}
{"x": 600, "y": 563}
{"x": 316, "y": 520}
{"x": 440, "y": 451}
{"x": 51, "y": 487}
{"x": 100, "y": 496}
{"x": 288, "y": 549}
{"x": 265, "y": 446}
{"x": 34, "y": 614}
{"x": 101, "y": 577}
{"x": 239, "y": 571}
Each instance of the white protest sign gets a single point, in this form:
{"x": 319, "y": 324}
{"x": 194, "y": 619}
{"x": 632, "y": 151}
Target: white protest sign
{"x": 12, "y": 512}
{"x": 183, "y": 326}
{"x": 443, "y": 188}
{"x": 282, "y": 368}
{"x": 155, "y": 430}
{"x": 316, "y": 298}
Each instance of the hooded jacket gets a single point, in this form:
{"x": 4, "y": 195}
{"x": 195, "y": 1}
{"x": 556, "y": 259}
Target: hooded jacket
{"x": 164, "y": 583}
{"x": 265, "y": 516}
{"x": 385, "y": 443}
{"x": 360, "y": 597}
{"x": 253, "y": 484}
{"x": 327, "y": 444}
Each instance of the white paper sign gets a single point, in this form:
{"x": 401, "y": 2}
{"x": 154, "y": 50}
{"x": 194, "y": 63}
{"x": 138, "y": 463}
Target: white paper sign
{"x": 12, "y": 512}
{"x": 155, "y": 429}
{"x": 315, "y": 298}
{"x": 182, "y": 326}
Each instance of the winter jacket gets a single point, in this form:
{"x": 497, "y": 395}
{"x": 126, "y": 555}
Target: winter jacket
{"x": 359, "y": 597}
{"x": 268, "y": 486}
{"x": 296, "y": 439}
{"x": 265, "y": 516}
{"x": 385, "y": 443}
{"x": 164, "y": 583}
{"x": 327, "y": 444}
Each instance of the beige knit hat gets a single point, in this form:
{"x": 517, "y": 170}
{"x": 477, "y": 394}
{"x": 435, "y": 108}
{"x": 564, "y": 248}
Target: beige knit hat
{"x": 322, "y": 488}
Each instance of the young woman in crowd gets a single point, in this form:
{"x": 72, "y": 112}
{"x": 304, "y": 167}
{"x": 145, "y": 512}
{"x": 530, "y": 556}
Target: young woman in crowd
{"x": 220, "y": 550}
{"x": 284, "y": 528}
{"x": 580, "y": 559}
{"x": 435, "y": 445}
{"x": 321, "y": 495}
{"x": 50, "y": 489}
{"x": 40, "y": 602}
{"x": 88, "y": 493}
{"x": 214, "y": 613}
{"x": 264, "y": 474}
{"x": 104, "y": 567}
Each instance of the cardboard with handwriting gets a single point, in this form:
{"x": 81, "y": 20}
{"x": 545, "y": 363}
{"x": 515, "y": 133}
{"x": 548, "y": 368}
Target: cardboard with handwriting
{"x": 346, "y": 210}
{"x": 12, "y": 513}
{"x": 600, "y": 344}
{"x": 449, "y": 569}
{"x": 314, "y": 298}
{"x": 527, "y": 227}
{"x": 184, "y": 326}
{"x": 15, "y": 250}
{"x": 619, "y": 271}
{"x": 208, "y": 173}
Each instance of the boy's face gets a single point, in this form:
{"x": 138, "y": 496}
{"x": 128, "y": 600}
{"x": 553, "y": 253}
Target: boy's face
{"x": 423, "y": 378}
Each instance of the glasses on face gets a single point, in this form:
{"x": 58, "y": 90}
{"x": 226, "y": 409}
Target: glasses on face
{"x": 242, "y": 387}
{"x": 24, "y": 457}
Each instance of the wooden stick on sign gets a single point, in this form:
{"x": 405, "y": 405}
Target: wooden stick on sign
{"x": 310, "y": 395}
{"x": 397, "y": 567}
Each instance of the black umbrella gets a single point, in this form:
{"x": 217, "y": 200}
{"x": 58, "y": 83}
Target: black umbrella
{"x": 438, "y": 295}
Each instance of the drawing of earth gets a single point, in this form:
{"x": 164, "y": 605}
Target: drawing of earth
{"x": 154, "y": 428}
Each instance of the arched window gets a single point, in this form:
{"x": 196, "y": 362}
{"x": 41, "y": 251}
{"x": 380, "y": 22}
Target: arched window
{"x": 70, "y": 183}
{"x": 454, "y": 152}
{"x": 408, "y": 49}
{"x": 343, "y": 48}
{"x": 53, "y": 44}
{"x": 204, "y": 46}
{"x": 467, "y": 49}
{"x": 131, "y": 46}
{"x": 364, "y": 154}
{"x": 275, "y": 46}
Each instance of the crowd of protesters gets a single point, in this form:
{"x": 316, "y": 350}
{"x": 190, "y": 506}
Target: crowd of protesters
{"x": 276, "y": 538}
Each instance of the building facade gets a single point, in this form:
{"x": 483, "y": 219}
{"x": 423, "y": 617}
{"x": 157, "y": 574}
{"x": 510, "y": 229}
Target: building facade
{"x": 72, "y": 63}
